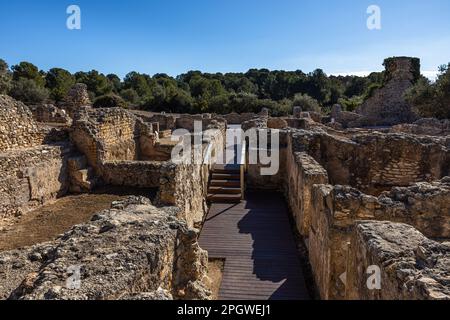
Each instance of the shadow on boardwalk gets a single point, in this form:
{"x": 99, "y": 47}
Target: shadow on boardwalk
{"x": 256, "y": 240}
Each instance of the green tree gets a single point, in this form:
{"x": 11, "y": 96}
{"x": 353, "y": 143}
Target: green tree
{"x": 26, "y": 70}
{"x": 27, "y": 91}
{"x": 306, "y": 102}
{"x": 130, "y": 96}
{"x": 351, "y": 104}
{"x": 98, "y": 84}
{"x": 109, "y": 101}
{"x": 432, "y": 100}
{"x": 59, "y": 82}
{"x": 5, "y": 77}
{"x": 181, "y": 102}
{"x": 115, "y": 82}
{"x": 139, "y": 83}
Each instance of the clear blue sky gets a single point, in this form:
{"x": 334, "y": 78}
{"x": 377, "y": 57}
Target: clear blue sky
{"x": 174, "y": 36}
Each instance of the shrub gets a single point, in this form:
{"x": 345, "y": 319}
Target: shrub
{"x": 110, "y": 101}
{"x": 306, "y": 102}
{"x": 431, "y": 100}
{"x": 28, "y": 91}
{"x": 130, "y": 96}
{"x": 351, "y": 104}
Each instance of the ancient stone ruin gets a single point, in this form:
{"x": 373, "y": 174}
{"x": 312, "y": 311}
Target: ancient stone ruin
{"x": 386, "y": 106}
{"x": 369, "y": 207}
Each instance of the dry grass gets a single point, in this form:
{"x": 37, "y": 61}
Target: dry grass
{"x": 215, "y": 274}
{"x": 46, "y": 223}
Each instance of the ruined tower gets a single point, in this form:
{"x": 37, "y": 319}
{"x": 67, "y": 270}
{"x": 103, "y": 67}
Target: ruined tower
{"x": 387, "y": 106}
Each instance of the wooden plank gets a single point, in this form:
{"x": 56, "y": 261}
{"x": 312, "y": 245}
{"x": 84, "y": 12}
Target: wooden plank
{"x": 255, "y": 239}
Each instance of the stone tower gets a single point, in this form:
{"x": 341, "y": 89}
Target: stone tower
{"x": 76, "y": 98}
{"x": 387, "y": 105}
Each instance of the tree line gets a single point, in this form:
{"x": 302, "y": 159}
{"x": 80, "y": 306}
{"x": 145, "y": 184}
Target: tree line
{"x": 197, "y": 92}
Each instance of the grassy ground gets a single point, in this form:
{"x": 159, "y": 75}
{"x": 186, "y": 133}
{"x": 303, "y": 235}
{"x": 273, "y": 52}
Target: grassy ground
{"x": 215, "y": 273}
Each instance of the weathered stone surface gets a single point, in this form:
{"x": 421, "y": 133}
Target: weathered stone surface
{"x": 235, "y": 118}
{"x": 387, "y": 106}
{"x": 128, "y": 251}
{"x": 430, "y": 127}
{"x": 17, "y": 126}
{"x": 277, "y": 123}
{"x": 376, "y": 162}
{"x": 32, "y": 177}
{"x": 158, "y": 295}
{"x": 109, "y": 134}
{"x": 255, "y": 123}
{"x": 48, "y": 113}
{"x": 336, "y": 209}
{"x": 77, "y": 98}
{"x": 303, "y": 172}
{"x": 344, "y": 118}
{"x": 297, "y": 111}
{"x": 412, "y": 266}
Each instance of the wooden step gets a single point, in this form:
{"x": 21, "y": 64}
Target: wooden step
{"x": 225, "y": 176}
{"x": 227, "y": 168}
{"x": 225, "y": 183}
{"x": 224, "y": 190}
{"x": 225, "y": 198}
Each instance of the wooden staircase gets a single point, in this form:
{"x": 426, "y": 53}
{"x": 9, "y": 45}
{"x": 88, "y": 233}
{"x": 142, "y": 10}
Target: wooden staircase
{"x": 225, "y": 185}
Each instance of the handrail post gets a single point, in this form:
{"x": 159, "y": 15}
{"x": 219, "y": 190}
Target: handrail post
{"x": 243, "y": 168}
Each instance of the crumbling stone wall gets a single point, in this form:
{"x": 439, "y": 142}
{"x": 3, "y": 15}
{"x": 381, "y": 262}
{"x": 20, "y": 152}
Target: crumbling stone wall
{"x": 236, "y": 118}
{"x": 33, "y": 177}
{"x": 17, "y": 127}
{"x": 387, "y": 106}
{"x": 178, "y": 185}
{"x": 48, "y": 113}
{"x": 303, "y": 172}
{"x": 31, "y": 174}
{"x": 412, "y": 266}
{"x": 254, "y": 178}
{"x": 166, "y": 121}
{"x": 344, "y": 118}
{"x": 375, "y": 162}
{"x": 208, "y": 122}
{"x": 429, "y": 127}
{"x": 76, "y": 98}
{"x": 110, "y": 134}
{"x": 277, "y": 123}
{"x": 335, "y": 211}
{"x": 141, "y": 174}
{"x": 133, "y": 251}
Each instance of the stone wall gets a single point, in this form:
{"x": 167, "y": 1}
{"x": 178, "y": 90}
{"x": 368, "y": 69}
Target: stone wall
{"x": 110, "y": 134}
{"x": 77, "y": 98}
{"x": 133, "y": 251}
{"x": 429, "y": 127}
{"x": 302, "y": 173}
{"x": 387, "y": 105}
{"x": 178, "y": 184}
{"x": 187, "y": 122}
{"x": 183, "y": 186}
{"x": 344, "y": 118}
{"x": 48, "y": 113}
{"x": 33, "y": 177}
{"x": 236, "y": 118}
{"x": 412, "y": 266}
{"x": 166, "y": 122}
{"x": 335, "y": 211}
{"x": 17, "y": 127}
{"x": 140, "y": 174}
{"x": 254, "y": 178}
{"x": 375, "y": 162}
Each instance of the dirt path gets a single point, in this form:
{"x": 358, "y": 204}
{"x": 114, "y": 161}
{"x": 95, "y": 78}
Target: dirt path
{"x": 46, "y": 223}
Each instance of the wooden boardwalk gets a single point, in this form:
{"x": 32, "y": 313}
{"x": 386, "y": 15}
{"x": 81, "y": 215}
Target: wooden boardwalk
{"x": 256, "y": 241}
